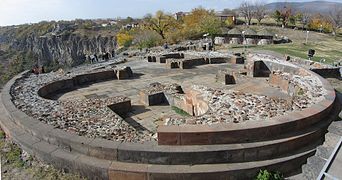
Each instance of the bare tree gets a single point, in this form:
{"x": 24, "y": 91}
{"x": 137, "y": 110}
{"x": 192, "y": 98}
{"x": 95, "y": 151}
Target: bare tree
{"x": 246, "y": 9}
{"x": 336, "y": 18}
{"x": 285, "y": 14}
{"x": 259, "y": 11}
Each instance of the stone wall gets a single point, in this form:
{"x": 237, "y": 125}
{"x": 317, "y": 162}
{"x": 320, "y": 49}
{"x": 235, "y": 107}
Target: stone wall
{"x": 232, "y": 133}
{"x": 103, "y": 159}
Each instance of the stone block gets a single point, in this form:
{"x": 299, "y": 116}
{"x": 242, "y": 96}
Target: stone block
{"x": 168, "y": 135}
{"x": 127, "y": 171}
{"x": 152, "y": 99}
{"x": 121, "y": 108}
{"x": 124, "y": 73}
{"x": 237, "y": 60}
{"x": 226, "y": 77}
{"x": 186, "y": 64}
{"x": 92, "y": 168}
{"x": 161, "y": 59}
{"x": 217, "y": 60}
{"x": 70, "y": 142}
{"x": 104, "y": 149}
{"x": 64, "y": 160}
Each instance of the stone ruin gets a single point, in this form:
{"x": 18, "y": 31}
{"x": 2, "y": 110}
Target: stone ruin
{"x": 188, "y": 61}
{"x": 229, "y": 133}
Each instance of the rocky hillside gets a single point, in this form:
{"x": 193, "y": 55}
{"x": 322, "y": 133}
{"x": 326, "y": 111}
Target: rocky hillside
{"x": 64, "y": 43}
{"x": 323, "y": 7}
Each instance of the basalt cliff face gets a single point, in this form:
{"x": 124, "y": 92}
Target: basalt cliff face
{"x": 65, "y": 46}
{"x": 68, "y": 49}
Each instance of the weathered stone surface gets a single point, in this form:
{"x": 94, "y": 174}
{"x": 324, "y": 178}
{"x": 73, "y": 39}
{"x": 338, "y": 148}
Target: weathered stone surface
{"x": 124, "y": 73}
{"x": 226, "y": 77}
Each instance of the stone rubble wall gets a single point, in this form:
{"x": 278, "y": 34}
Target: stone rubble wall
{"x": 105, "y": 159}
{"x": 323, "y": 100}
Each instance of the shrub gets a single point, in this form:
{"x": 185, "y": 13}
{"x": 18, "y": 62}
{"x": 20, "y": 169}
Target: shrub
{"x": 265, "y": 175}
{"x": 146, "y": 39}
{"x": 124, "y": 39}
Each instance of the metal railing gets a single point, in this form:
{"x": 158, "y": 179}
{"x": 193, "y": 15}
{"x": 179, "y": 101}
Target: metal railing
{"x": 327, "y": 165}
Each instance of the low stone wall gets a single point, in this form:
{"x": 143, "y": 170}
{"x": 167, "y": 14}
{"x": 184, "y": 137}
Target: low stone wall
{"x": 104, "y": 159}
{"x": 79, "y": 80}
{"x": 237, "y": 60}
{"x": 164, "y": 57}
{"x": 121, "y": 108}
{"x": 190, "y": 63}
{"x": 328, "y": 72}
{"x": 226, "y": 77}
{"x": 234, "y": 133}
{"x": 156, "y": 98}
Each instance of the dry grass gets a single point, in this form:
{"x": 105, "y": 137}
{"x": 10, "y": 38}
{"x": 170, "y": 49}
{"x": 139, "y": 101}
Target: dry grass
{"x": 326, "y": 46}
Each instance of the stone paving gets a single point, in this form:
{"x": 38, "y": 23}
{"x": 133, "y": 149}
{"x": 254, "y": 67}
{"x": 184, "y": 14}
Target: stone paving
{"x": 142, "y": 122}
{"x": 152, "y": 116}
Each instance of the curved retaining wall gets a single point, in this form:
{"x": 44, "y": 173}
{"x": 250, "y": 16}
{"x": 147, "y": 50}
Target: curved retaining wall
{"x": 79, "y": 80}
{"x": 110, "y": 152}
{"x": 251, "y": 131}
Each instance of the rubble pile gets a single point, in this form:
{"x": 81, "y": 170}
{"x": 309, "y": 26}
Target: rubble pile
{"x": 90, "y": 118}
{"x": 307, "y": 89}
{"x": 226, "y": 106}
{"x": 168, "y": 88}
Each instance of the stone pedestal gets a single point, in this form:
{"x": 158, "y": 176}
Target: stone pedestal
{"x": 226, "y": 77}
{"x": 121, "y": 108}
{"x": 124, "y": 73}
{"x": 153, "y": 98}
{"x": 237, "y": 60}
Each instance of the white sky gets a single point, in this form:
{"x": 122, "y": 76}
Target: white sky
{"x": 29, "y": 11}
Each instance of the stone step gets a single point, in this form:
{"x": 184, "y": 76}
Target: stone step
{"x": 208, "y": 154}
{"x": 95, "y": 168}
{"x": 313, "y": 167}
{"x": 232, "y": 153}
{"x": 315, "y": 163}
{"x": 324, "y": 151}
{"x": 336, "y": 127}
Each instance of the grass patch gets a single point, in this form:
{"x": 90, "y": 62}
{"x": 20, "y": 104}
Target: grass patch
{"x": 180, "y": 111}
{"x": 13, "y": 165}
{"x": 326, "y": 46}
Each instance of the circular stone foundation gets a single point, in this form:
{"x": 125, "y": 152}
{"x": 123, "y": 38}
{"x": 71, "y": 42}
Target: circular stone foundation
{"x": 96, "y": 120}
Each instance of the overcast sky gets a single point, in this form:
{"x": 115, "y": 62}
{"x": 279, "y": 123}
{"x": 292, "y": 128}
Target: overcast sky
{"x": 30, "y": 11}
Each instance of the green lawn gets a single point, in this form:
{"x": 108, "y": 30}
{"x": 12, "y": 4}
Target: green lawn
{"x": 326, "y": 46}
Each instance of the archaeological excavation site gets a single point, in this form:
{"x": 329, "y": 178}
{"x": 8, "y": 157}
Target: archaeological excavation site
{"x": 173, "y": 115}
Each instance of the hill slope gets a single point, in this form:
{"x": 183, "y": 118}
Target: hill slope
{"x": 323, "y": 7}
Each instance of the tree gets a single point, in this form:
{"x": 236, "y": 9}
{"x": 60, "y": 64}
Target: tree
{"x": 259, "y": 11}
{"x": 124, "y": 39}
{"x": 336, "y": 18}
{"x": 246, "y": 8}
{"x": 160, "y": 23}
{"x": 277, "y": 16}
{"x": 320, "y": 22}
{"x": 285, "y": 14}
{"x": 211, "y": 25}
{"x": 303, "y": 18}
{"x": 193, "y": 22}
{"x": 146, "y": 38}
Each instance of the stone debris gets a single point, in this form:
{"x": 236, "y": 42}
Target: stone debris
{"x": 91, "y": 117}
{"x": 226, "y": 106}
{"x": 168, "y": 88}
